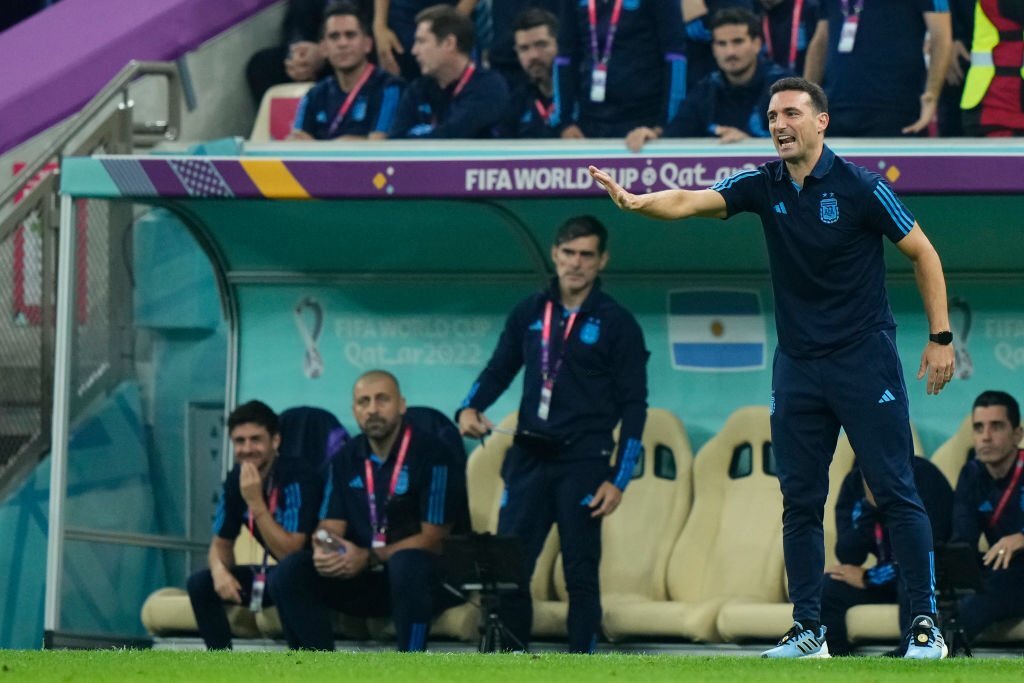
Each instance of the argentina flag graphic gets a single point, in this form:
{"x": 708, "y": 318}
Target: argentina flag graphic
{"x": 716, "y": 330}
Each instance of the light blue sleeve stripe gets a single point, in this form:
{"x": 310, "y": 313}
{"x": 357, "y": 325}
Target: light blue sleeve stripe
{"x": 940, "y": 5}
{"x": 732, "y": 180}
{"x": 677, "y": 84}
{"x": 887, "y": 191}
{"x": 300, "y": 112}
{"x": 901, "y": 220}
{"x": 292, "y": 501}
{"x": 438, "y": 488}
{"x": 628, "y": 464}
{"x": 469, "y": 397}
{"x": 218, "y": 516}
{"x": 328, "y": 490}
{"x": 388, "y": 109}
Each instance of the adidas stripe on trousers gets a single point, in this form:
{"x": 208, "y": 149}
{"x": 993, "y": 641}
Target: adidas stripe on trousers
{"x": 859, "y": 388}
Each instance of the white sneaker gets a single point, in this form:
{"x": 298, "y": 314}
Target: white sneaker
{"x": 925, "y": 640}
{"x": 798, "y": 643}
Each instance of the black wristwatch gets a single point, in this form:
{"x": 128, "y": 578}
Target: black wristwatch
{"x": 941, "y": 338}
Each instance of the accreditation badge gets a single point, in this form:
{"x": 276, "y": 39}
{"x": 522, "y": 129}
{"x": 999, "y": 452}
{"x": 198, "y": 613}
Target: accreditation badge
{"x": 259, "y": 584}
{"x": 598, "y": 83}
{"x": 848, "y": 34}
{"x": 544, "y": 406}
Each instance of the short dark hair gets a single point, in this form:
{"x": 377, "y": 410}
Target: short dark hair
{"x": 255, "y": 412}
{"x": 818, "y": 99}
{"x": 532, "y": 17}
{"x": 736, "y": 15}
{"x": 345, "y": 8}
{"x": 999, "y": 398}
{"x": 445, "y": 21}
{"x": 582, "y": 226}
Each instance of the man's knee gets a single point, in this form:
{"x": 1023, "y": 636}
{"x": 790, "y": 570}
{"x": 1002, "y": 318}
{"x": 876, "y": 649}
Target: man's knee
{"x": 294, "y": 572}
{"x": 200, "y": 585}
{"x": 411, "y": 568}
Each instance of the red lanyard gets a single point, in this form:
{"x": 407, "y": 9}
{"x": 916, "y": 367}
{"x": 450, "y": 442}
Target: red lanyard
{"x": 547, "y": 372}
{"x": 272, "y": 506}
{"x": 879, "y": 538}
{"x": 545, "y": 112}
{"x": 464, "y": 79}
{"x": 347, "y": 104}
{"x": 793, "y": 35}
{"x": 994, "y": 519}
{"x": 371, "y": 495}
{"x": 613, "y": 24}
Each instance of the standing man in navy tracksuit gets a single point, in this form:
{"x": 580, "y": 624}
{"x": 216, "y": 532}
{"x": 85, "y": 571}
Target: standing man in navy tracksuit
{"x": 584, "y": 363}
{"x": 836, "y": 364}
{"x": 393, "y": 496}
{"x": 620, "y": 65}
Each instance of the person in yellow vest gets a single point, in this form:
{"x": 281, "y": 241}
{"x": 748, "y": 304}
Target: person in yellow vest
{"x": 993, "y": 100}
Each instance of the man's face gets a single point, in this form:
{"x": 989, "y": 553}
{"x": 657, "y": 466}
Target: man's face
{"x": 377, "y": 407}
{"x": 344, "y": 43}
{"x": 253, "y": 443}
{"x": 796, "y": 128}
{"x": 536, "y": 49}
{"x": 430, "y": 53}
{"x": 735, "y": 51}
{"x": 578, "y": 262}
{"x": 995, "y": 440}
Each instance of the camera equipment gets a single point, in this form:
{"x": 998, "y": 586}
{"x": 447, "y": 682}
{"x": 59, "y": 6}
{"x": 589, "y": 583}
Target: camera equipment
{"x": 490, "y": 565}
{"x": 956, "y": 574}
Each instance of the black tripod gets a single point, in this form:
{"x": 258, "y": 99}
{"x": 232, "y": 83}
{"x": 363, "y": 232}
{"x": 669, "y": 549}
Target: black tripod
{"x": 488, "y": 565}
{"x": 952, "y": 632}
{"x": 957, "y": 574}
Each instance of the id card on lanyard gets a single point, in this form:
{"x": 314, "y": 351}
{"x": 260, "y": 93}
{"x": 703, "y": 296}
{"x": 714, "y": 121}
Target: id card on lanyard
{"x": 349, "y": 100}
{"x": 848, "y": 34}
{"x": 259, "y": 580}
{"x": 378, "y": 525}
{"x": 549, "y": 373}
{"x": 599, "y": 75}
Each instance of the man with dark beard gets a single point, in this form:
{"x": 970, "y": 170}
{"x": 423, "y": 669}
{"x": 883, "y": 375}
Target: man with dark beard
{"x": 393, "y": 496}
{"x": 531, "y": 113}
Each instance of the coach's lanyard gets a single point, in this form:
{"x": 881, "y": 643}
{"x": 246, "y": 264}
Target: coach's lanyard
{"x": 994, "y": 519}
{"x": 545, "y": 112}
{"x": 272, "y": 506}
{"x": 547, "y": 372}
{"x": 379, "y": 532}
{"x": 794, "y": 35}
{"x": 347, "y": 104}
{"x": 880, "y": 542}
{"x": 464, "y": 79}
{"x": 613, "y": 24}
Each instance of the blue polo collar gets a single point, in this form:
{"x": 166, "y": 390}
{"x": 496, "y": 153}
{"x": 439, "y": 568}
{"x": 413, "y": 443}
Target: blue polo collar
{"x": 820, "y": 169}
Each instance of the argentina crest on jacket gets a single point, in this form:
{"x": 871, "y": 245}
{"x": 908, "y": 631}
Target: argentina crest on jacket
{"x": 829, "y": 208}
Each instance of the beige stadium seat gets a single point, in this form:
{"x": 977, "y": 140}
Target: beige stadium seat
{"x": 730, "y": 548}
{"x": 951, "y": 456}
{"x": 637, "y": 540}
{"x": 277, "y": 112}
{"x": 167, "y": 611}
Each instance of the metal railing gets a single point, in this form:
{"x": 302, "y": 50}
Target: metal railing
{"x": 29, "y": 222}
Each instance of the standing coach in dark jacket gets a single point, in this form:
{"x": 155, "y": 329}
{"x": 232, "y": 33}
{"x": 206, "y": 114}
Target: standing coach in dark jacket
{"x": 584, "y": 363}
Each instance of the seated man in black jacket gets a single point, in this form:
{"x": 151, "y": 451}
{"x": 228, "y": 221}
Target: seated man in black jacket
{"x": 988, "y": 501}
{"x": 731, "y": 103}
{"x": 860, "y": 531}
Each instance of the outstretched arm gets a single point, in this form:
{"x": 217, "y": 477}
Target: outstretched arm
{"x": 667, "y": 204}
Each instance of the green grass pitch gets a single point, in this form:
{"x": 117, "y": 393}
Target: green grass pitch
{"x": 122, "y": 666}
